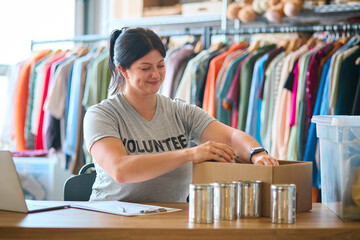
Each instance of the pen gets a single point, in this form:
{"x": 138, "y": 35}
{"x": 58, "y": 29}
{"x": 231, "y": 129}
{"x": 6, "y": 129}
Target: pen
{"x": 157, "y": 210}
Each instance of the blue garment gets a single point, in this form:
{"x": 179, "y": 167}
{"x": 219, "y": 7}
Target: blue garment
{"x": 324, "y": 108}
{"x": 312, "y": 140}
{"x": 222, "y": 115}
{"x": 254, "y": 106}
{"x": 73, "y": 108}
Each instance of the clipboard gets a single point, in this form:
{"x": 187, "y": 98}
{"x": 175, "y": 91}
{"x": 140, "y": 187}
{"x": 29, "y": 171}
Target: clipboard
{"x": 122, "y": 208}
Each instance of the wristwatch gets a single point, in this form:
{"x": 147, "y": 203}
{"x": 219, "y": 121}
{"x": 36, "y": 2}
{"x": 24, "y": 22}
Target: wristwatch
{"x": 256, "y": 150}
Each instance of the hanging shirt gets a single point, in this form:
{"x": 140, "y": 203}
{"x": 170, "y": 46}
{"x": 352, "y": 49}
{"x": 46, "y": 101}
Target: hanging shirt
{"x": 197, "y": 74}
{"x": 55, "y": 101}
{"x": 220, "y": 79}
{"x": 203, "y": 68}
{"x": 21, "y": 98}
{"x": 295, "y": 74}
{"x": 39, "y": 134}
{"x": 348, "y": 77}
{"x": 95, "y": 85}
{"x": 311, "y": 143}
{"x": 29, "y": 136}
{"x": 73, "y": 110}
{"x": 296, "y": 144}
{"x": 245, "y": 83}
{"x": 224, "y": 114}
{"x": 356, "y": 105}
{"x": 232, "y": 98}
{"x": 272, "y": 54}
{"x": 184, "y": 90}
{"x": 269, "y": 98}
{"x": 214, "y": 68}
{"x": 51, "y": 126}
{"x": 335, "y": 83}
{"x": 174, "y": 62}
{"x": 282, "y": 123}
{"x": 254, "y": 106}
{"x": 313, "y": 80}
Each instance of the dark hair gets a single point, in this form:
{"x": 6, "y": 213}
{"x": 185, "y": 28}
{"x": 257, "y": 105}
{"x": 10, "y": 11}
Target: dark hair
{"x": 128, "y": 45}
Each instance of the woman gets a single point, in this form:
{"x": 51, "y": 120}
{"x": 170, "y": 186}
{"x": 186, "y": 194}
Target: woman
{"x": 139, "y": 140}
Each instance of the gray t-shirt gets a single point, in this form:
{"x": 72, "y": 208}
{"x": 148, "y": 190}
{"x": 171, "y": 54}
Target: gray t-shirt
{"x": 173, "y": 126}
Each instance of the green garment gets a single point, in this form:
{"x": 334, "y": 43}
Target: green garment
{"x": 245, "y": 83}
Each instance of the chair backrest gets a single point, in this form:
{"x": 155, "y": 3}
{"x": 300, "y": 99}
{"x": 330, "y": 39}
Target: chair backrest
{"x": 79, "y": 187}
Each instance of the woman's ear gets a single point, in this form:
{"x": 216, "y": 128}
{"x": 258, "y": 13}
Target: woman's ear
{"x": 122, "y": 71}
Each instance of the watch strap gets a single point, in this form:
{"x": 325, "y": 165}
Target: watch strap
{"x": 256, "y": 150}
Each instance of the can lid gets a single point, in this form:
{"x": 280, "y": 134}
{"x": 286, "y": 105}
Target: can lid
{"x": 283, "y": 186}
{"x": 336, "y": 120}
{"x": 201, "y": 186}
{"x": 225, "y": 184}
{"x": 249, "y": 181}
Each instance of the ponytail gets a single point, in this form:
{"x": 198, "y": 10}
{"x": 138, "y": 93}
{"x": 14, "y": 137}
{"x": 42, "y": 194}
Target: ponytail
{"x": 117, "y": 78}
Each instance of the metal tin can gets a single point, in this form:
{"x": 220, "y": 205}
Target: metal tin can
{"x": 225, "y": 200}
{"x": 249, "y": 199}
{"x": 283, "y": 203}
{"x": 201, "y": 203}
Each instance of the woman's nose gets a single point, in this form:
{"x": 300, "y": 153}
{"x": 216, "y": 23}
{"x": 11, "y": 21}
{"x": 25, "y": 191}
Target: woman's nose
{"x": 155, "y": 74}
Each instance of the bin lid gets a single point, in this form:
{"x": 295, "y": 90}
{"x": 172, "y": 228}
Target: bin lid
{"x": 336, "y": 120}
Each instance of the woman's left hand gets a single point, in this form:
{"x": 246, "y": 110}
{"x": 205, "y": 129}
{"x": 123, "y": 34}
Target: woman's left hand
{"x": 263, "y": 158}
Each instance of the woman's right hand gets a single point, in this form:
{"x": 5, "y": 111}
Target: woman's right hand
{"x": 212, "y": 151}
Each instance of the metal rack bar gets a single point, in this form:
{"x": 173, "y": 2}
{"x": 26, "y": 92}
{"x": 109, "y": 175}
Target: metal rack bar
{"x": 207, "y": 32}
{"x": 289, "y": 29}
{"x": 95, "y": 38}
{"x": 83, "y": 38}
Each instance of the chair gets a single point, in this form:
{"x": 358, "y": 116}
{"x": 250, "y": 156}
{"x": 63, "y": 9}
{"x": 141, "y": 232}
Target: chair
{"x": 79, "y": 187}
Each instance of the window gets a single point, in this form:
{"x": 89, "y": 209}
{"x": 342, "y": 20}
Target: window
{"x": 22, "y": 21}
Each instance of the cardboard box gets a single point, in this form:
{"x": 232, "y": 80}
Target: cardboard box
{"x": 201, "y": 8}
{"x": 296, "y": 172}
{"x": 130, "y": 9}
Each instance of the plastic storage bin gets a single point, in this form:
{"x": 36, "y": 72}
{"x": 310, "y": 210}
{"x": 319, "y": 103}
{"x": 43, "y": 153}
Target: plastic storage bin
{"x": 42, "y": 178}
{"x": 339, "y": 138}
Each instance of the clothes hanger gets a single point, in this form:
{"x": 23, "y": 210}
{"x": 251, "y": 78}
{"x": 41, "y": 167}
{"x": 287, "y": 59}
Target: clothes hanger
{"x": 311, "y": 42}
{"x": 292, "y": 45}
{"x": 284, "y": 43}
{"x": 82, "y": 52}
{"x": 216, "y": 46}
{"x": 199, "y": 46}
{"x": 254, "y": 45}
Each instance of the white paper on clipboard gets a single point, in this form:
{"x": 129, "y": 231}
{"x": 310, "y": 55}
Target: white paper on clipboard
{"x": 122, "y": 208}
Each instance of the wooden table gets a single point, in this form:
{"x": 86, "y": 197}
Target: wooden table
{"x": 320, "y": 223}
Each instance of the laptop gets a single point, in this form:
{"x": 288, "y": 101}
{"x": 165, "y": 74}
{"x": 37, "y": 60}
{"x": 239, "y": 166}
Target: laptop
{"x": 11, "y": 193}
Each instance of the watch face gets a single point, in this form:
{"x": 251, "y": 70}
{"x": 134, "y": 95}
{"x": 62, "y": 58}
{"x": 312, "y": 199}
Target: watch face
{"x": 258, "y": 149}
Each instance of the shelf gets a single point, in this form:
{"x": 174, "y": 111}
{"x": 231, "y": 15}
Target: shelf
{"x": 317, "y": 15}
{"x": 336, "y": 8}
{"x": 168, "y": 21}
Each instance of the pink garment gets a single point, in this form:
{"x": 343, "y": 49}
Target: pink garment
{"x": 283, "y": 135}
{"x": 293, "y": 96}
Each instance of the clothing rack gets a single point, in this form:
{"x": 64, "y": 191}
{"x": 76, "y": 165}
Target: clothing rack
{"x": 206, "y": 32}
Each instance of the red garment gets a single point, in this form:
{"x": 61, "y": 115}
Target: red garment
{"x": 233, "y": 94}
{"x": 39, "y": 135}
{"x": 210, "y": 85}
{"x": 313, "y": 81}
{"x": 21, "y": 99}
